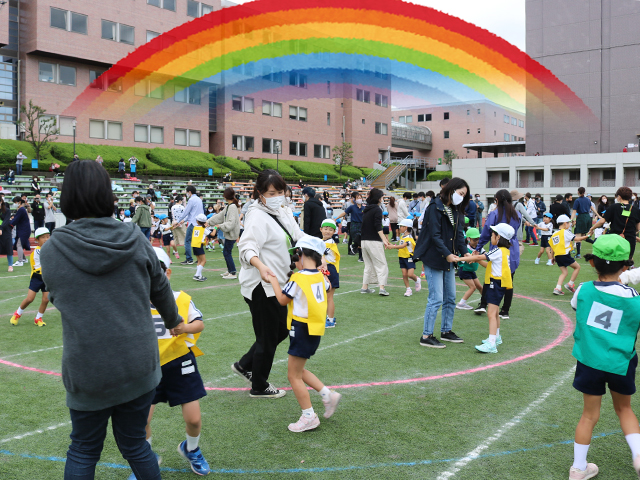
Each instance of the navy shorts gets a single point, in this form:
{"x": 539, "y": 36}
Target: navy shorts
{"x": 334, "y": 276}
{"x": 465, "y": 275}
{"x": 564, "y": 260}
{"x": 407, "y": 263}
{"x": 301, "y": 344}
{"x": 37, "y": 284}
{"x": 495, "y": 292}
{"x": 592, "y": 382}
{"x": 180, "y": 383}
{"x": 544, "y": 241}
{"x": 167, "y": 239}
{"x": 198, "y": 251}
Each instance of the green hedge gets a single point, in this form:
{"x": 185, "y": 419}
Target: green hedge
{"x": 286, "y": 171}
{"x": 435, "y": 176}
{"x": 186, "y": 162}
{"x": 312, "y": 171}
{"x": 237, "y": 167}
{"x": 366, "y": 171}
{"x": 350, "y": 172}
{"x": 9, "y": 150}
{"x": 110, "y": 155}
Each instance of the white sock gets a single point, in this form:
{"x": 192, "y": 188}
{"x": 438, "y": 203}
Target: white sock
{"x": 324, "y": 393}
{"x": 39, "y": 315}
{"x": 498, "y": 332}
{"x": 20, "y": 311}
{"x": 199, "y": 269}
{"x": 558, "y": 287}
{"x": 571, "y": 283}
{"x": 463, "y": 301}
{"x": 149, "y": 441}
{"x": 580, "y": 456}
{"x": 633, "y": 439}
{"x": 192, "y": 443}
{"x": 492, "y": 340}
{"x": 308, "y": 413}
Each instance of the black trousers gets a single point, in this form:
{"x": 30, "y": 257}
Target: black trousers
{"x": 270, "y": 327}
{"x": 508, "y": 297}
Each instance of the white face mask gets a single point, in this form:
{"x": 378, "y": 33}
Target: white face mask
{"x": 427, "y": 199}
{"x": 604, "y": 200}
{"x": 359, "y": 201}
{"x": 456, "y": 198}
{"x": 274, "y": 203}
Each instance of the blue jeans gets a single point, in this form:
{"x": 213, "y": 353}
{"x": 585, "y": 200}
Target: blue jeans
{"x": 18, "y": 169}
{"x": 38, "y": 224}
{"x": 187, "y": 243}
{"x": 442, "y": 293}
{"x": 89, "y": 430}
{"x": 531, "y": 233}
{"x": 226, "y": 253}
{"x": 146, "y": 231}
{"x": 51, "y": 226}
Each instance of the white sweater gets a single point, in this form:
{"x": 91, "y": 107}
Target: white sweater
{"x": 265, "y": 239}
{"x": 403, "y": 210}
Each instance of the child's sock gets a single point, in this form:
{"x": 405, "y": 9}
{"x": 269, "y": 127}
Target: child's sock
{"x": 308, "y": 413}
{"x": 20, "y": 311}
{"x": 463, "y": 301}
{"x": 39, "y": 315}
{"x": 498, "y": 332}
{"x": 633, "y": 439}
{"x": 571, "y": 283}
{"x": 149, "y": 441}
{"x": 492, "y": 340}
{"x": 324, "y": 393}
{"x": 580, "y": 456}
{"x": 192, "y": 442}
{"x": 199, "y": 269}
{"x": 558, "y": 287}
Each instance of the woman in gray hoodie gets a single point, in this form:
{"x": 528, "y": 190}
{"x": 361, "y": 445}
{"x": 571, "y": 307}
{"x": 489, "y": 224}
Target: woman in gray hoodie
{"x": 110, "y": 361}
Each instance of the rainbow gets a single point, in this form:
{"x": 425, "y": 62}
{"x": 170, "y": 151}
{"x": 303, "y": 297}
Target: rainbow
{"x": 425, "y": 53}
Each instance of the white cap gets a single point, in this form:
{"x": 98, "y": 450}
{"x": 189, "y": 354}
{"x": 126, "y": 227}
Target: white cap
{"x": 406, "y": 223}
{"x": 504, "y": 230}
{"x": 201, "y": 218}
{"x": 42, "y": 231}
{"x": 312, "y": 243}
{"x": 162, "y": 256}
{"x": 562, "y": 219}
{"x": 329, "y": 222}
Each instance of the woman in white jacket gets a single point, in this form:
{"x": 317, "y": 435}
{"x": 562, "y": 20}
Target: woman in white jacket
{"x": 269, "y": 231}
{"x": 228, "y": 221}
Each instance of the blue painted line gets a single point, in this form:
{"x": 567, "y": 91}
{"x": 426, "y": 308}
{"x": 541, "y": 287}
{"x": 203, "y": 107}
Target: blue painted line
{"x": 240, "y": 471}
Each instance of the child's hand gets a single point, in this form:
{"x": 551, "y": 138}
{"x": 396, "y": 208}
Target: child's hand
{"x": 178, "y": 329}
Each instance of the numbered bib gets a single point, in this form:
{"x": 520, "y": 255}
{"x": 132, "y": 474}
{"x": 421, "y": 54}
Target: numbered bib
{"x": 555, "y": 240}
{"x": 604, "y": 318}
{"x": 196, "y": 233}
{"x": 318, "y": 291}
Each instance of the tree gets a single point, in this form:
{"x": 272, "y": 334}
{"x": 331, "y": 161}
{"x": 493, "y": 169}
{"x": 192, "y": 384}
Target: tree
{"x": 343, "y": 155}
{"x": 449, "y": 157}
{"x": 38, "y": 128}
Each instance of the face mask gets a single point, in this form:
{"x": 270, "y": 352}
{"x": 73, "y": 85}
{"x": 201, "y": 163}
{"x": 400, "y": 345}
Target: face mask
{"x": 359, "y": 201}
{"x": 604, "y": 200}
{"x": 211, "y": 209}
{"x": 427, "y": 199}
{"x": 617, "y": 201}
{"x": 456, "y": 198}
{"x": 274, "y": 203}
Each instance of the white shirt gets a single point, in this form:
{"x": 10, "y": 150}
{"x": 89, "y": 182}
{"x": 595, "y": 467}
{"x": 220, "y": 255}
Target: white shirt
{"x": 612, "y": 288}
{"x": 546, "y": 229}
{"x": 293, "y": 291}
{"x": 176, "y": 212}
{"x": 531, "y": 208}
{"x": 495, "y": 257}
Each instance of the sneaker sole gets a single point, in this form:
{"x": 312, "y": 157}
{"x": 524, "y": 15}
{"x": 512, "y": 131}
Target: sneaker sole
{"x": 464, "y": 308}
{"x": 239, "y": 373}
{"x": 442, "y": 339}
{"x": 277, "y": 395}
{"x": 312, "y": 427}
{"x": 496, "y": 351}
{"x": 479, "y": 312}
{"x": 432, "y": 346}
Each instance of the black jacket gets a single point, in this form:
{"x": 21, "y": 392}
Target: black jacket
{"x": 37, "y": 210}
{"x": 438, "y": 238}
{"x": 371, "y": 223}
{"x": 314, "y": 215}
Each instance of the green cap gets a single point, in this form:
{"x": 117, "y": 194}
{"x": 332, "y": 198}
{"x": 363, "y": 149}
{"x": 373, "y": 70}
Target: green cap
{"x": 466, "y": 220}
{"x": 473, "y": 233}
{"x": 612, "y": 247}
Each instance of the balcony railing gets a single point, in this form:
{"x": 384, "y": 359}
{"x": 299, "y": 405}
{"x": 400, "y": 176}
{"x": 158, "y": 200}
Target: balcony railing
{"x": 497, "y": 184}
{"x": 596, "y": 182}
{"x": 560, "y": 183}
{"x": 528, "y": 184}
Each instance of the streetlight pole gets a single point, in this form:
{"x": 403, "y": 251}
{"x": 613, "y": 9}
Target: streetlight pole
{"x": 278, "y": 146}
{"x": 74, "y": 138}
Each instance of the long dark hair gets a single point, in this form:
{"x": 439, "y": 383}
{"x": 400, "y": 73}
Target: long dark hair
{"x": 265, "y": 179}
{"x": 374, "y": 196}
{"x": 505, "y": 207}
{"x": 230, "y": 194}
{"x": 3, "y": 206}
{"x": 447, "y": 192}
{"x": 392, "y": 202}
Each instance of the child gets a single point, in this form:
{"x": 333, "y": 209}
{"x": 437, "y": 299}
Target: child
{"x": 127, "y": 216}
{"x": 467, "y": 270}
{"x": 546, "y": 230}
{"x": 405, "y": 248}
{"x": 562, "y": 244}
{"x": 305, "y": 295}
{"x": 197, "y": 241}
{"x": 497, "y": 279}
{"x": 607, "y": 323}
{"x": 386, "y": 223}
{"x": 36, "y": 284}
{"x": 168, "y": 241}
{"x": 332, "y": 257}
{"x": 181, "y": 383}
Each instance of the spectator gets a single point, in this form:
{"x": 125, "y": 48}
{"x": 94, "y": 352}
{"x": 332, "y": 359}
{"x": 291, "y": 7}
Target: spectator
{"x": 6, "y": 242}
{"x": 228, "y": 221}
{"x": 540, "y": 206}
{"x": 10, "y": 177}
{"x": 22, "y": 226}
{"x": 38, "y": 213}
{"x": 516, "y": 196}
{"x": 142, "y": 217}
{"x": 414, "y": 205}
{"x": 19, "y": 159}
{"x": 193, "y": 209}
{"x": 115, "y": 206}
{"x": 403, "y": 207}
{"x": 374, "y": 242}
{"x": 580, "y": 217}
{"x": 568, "y": 198}
{"x": 132, "y": 164}
{"x": 49, "y": 212}
{"x": 530, "y": 205}
{"x": 314, "y": 213}
{"x": 470, "y": 213}
{"x": 121, "y": 168}
{"x": 392, "y": 208}
{"x": 99, "y": 160}
{"x": 355, "y": 211}
{"x": 479, "y": 211}
{"x": 177, "y": 209}
{"x": 55, "y": 168}
{"x": 623, "y": 219}
{"x": 602, "y": 205}
{"x": 26, "y": 202}
{"x": 35, "y": 185}
{"x": 556, "y": 209}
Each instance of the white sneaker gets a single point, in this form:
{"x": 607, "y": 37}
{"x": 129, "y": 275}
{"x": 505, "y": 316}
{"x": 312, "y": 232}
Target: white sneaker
{"x": 331, "y": 404}
{"x": 463, "y": 306}
{"x": 590, "y": 472}
{"x": 18, "y": 264}
{"x": 224, "y": 274}
{"x": 537, "y": 262}
{"x": 550, "y": 262}
{"x": 408, "y": 293}
{"x": 305, "y": 424}
{"x": 418, "y": 284}
{"x": 231, "y": 276}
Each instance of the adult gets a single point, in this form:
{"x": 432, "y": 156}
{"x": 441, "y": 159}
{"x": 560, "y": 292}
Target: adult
{"x": 392, "y": 208}
{"x": 580, "y": 217}
{"x": 516, "y": 197}
{"x": 623, "y": 218}
{"x": 403, "y": 207}
{"x": 566, "y": 203}
{"x": 193, "y": 209}
{"x": 35, "y": 185}
{"x": 355, "y": 212}
{"x": 121, "y": 168}
{"x": 99, "y": 160}
{"x": 313, "y": 211}
{"x": 132, "y": 164}
{"x": 429, "y": 196}
{"x": 602, "y": 205}
{"x": 374, "y": 242}
{"x": 540, "y": 206}
{"x": 269, "y": 231}
{"x": 556, "y": 209}
{"x": 440, "y": 239}
{"x": 479, "y": 211}
{"x": 22, "y": 225}
{"x": 470, "y": 213}
{"x": 228, "y": 221}
{"x": 414, "y": 205}
{"x": 177, "y": 209}
{"x": 505, "y": 212}
{"x": 110, "y": 361}
{"x": 49, "y": 212}
{"x": 19, "y": 159}
{"x": 37, "y": 211}
{"x": 530, "y": 205}
{"x": 6, "y": 242}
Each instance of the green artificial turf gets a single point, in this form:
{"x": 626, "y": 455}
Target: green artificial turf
{"x": 418, "y": 429}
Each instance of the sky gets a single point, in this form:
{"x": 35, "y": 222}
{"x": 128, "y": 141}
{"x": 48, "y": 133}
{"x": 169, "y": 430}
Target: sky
{"x": 505, "y": 18}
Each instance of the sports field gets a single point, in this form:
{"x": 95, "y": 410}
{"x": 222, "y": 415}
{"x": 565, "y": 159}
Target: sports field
{"x": 406, "y": 412}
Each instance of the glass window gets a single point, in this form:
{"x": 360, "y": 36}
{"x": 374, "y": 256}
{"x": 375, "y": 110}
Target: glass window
{"x": 155, "y": 3}
{"x": 47, "y": 123}
{"x": 468, "y": 131}
{"x": 317, "y": 151}
{"x": 367, "y": 96}
{"x": 236, "y": 142}
{"x": 126, "y": 34}
{"x": 155, "y": 90}
{"x": 385, "y": 101}
{"x": 140, "y": 89}
{"x": 96, "y": 128}
{"x": 157, "y": 135}
{"x": 266, "y": 108}
{"x": 446, "y": 115}
{"x": 409, "y": 118}
{"x": 181, "y": 95}
{"x": 169, "y": 5}
{"x": 328, "y": 118}
{"x": 446, "y": 134}
{"x": 194, "y": 138}
{"x": 248, "y": 105}
{"x": 114, "y": 130}
{"x": 479, "y": 111}
{"x": 402, "y": 119}
{"x": 47, "y": 72}
{"x": 302, "y": 149}
{"x": 293, "y": 113}
{"x": 327, "y": 151}
{"x": 78, "y": 23}
{"x": 66, "y": 126}
{"x": 192, "y": 8}
{"x": 266, "y": 145}
{"x": 115, "y": 86}
{"x": 208, "y": 9}
{"x": 58, "y": 18}
{"x": 427, "y": 117}
{"x": 293, "y": 148}
{"x": 384, "y": 129}
{"x": 109, "y": 30}
{"x": 141, "y": 133}
{"x": 359, "y": 95}
{"x": 93, "y": 76}
{"x": 248, "y": 144}
{"x": 378, "y": 127}
{"x": 194, "y": 95}
{"x": 236, "y": 103}
{"x": 506, "y": 119}
{"x": 302, "y": 114}
{"x": 180, "y": 137}
{"x": 420, "y": 118}
{"x": 514, "y": 121}
{"x": 479, "y": 130}
{"x": 67, "y": 76}
{"x": 468, "y": 112}
{"x": 506, "y": 137}
{"x": 378, "y": 99}
{"x": 151, "y": 35}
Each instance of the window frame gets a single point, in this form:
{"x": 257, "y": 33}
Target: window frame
{"x": 105, "y": 129}
{"x": 162, "y": 5}
{"x": 117, "y": 34}
{"x": 56, "y": 74}
{"x": 243, "y": 139}
{"x": 324, "y": 150}
{"x": 68, "y": 20}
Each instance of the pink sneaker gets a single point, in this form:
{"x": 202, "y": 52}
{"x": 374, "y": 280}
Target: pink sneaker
{"x": 571, "y": 288}
{"x": 331, "y": 404}
{"x": 177, "y": 255}
{"x": 305, "y": 424}
{"x": 11, "y": 269}
{"x": 590, "y": 472}
{"x": 418, "y": 284}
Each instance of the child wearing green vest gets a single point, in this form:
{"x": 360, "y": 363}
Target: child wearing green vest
{"x": 607, "y": 324}
{"x": 305, "y": 294}
{"x": 467, "y": 270}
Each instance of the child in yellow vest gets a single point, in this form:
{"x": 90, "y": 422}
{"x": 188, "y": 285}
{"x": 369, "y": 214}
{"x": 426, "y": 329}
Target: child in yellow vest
{"x": 332, "y": 257}
{"x": 405, "y": 248}
{"x": 36, "y": 284}
{"x": 497, "y": 280}
{"x": 562, "y": 244}
{"x": 305, "y": 295}
{"x": 181, "y": 383}
{"x": 197, "y": 244}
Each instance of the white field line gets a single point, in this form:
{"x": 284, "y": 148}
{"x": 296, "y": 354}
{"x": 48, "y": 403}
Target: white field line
{"x": 476, "y": 452}
{"x": 14, "y": 276}
{"x": 32, "y": 351}
{"x": 12, "y": 298}
{"x": 35, "y": 432}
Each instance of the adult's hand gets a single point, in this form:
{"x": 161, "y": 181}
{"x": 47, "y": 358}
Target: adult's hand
{"x": 451, "y": 258}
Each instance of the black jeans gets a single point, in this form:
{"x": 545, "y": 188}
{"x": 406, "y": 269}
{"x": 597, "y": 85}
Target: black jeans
{"x": 394, "y": 229}
{"x": 508, "y": 297}
{"x": 37, "y": 224}
{"x": 270, "y": 327}
{"x": 51, "y": 226}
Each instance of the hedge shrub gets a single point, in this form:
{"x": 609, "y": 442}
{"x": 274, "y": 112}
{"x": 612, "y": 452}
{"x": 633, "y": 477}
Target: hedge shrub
{"x": 110, "y": 155}
{"x": 312, "y": 171}
{"x": 366, "y": 171}
{"x": 185, "y": 162}
{"x": 350, "y": 172}
{"x": 9, "y": 150}
{"x": 436, "y": 176}
{"x": 237, "y": 167}
{"x": 286, "y": 171}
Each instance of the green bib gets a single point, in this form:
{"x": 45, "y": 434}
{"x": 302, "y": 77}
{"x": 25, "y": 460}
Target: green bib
{"x": 606, "y": 329}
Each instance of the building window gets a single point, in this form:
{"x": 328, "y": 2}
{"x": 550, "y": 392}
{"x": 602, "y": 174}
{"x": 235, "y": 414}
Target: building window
{"x": 506, "y": 137}
{"x": 197, "y": 9}
{"x": 297, "y": 80}
{"x": 359, "y": 95}
{"x": 148, "y": 134}
{"x": 191, "y": 95}
{"x": 151, "y": 35}
{"x": 521, "y": 123}
{"x": 186, "y": 137}
{"x": 495, "y": 132}
{"x": 272, "y": 109}
{"x": 381, "y": 100}
{"x": 446, "y": 115}
{"x": 427, "y": 117}
{"x": 269, "y": 74}
{"x": 105, "y": 129}
{"x": 574, "y": 175}
{"x": 381, "y": 128}
{"x": 100, "y": 80}
{"x": 609, "y": 174}
{"x": 56, "y": 124}
{"x": 271, "y": 145}
{"x": 242, "y": 104}
{"x": 409, "y": 118}
{"x": 328, "y": 88}
{"x": 513, "y": 138}
{"x": 298, "y": 113}
{"x": 402, "y": 119}
{"x": 118, "y": 32}
{"x": 54, "y": 73}
{"x": 478, "y": 111}
{"x": 445, "y": 152}
{"x": 298, "y": 149}
{"x": 507, "y": 119}
{"x": 538, "y": 176}
{"x": 328, "y": 118}
{"x": 242, "y": 143}
{"x": 321, "y": 151}
{"x": 514, "y": 121}
{"x": 446, "y": 134}
{"x": 420, "y": 118}
{"x": 166, "y": 4}
{"x": 148, "y": 88}
{"x": 69, "y": 21}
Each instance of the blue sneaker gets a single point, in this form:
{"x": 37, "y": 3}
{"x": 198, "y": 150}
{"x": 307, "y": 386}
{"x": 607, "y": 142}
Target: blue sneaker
{"x": 329, "y": 323}
{"x": 133, "y": 475}
{"x": 198, "y": 464}
{"x": 498, "y": 340}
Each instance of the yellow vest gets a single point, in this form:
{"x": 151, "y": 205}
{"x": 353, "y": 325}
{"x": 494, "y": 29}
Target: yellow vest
{"x": 198, "y": 237}
{"x": 313, "y": 288}
{"x": 404, "y": 252}
{"x": 334, "y": 248}
{"x": 175, "y": 347}
{"x": 505, "y": 278}
{"x": 558, "y": 243}
{"x": 32, "y": 261}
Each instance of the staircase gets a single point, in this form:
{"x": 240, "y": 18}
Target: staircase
{"x": 387, "y": 177}
{"x": 397, "y": 167}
